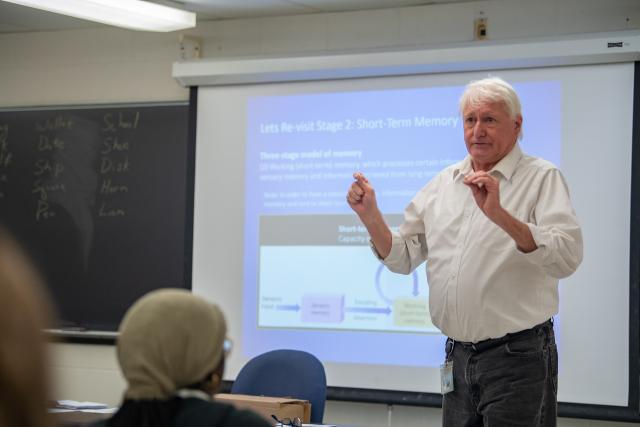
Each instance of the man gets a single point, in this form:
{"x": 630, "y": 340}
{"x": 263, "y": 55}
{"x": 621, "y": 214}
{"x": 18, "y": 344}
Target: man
{"x": 497, "y": 231}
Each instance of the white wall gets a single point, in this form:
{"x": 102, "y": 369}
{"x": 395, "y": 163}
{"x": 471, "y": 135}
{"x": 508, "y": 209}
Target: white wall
{"x": 110, "y": 65}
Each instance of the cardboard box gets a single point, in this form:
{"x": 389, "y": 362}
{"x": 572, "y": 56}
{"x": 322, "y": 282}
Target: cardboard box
{"x": 281, "y": 407}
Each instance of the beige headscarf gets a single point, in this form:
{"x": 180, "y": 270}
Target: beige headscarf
{"x": 169, "y": 339}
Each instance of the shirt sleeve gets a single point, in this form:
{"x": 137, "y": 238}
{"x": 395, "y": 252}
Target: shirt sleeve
{"x": 409, "y": 243}
{"x": 555, "y": 229}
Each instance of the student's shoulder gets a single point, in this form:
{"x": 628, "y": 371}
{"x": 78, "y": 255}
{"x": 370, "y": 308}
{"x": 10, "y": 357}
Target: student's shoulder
{"x": 241, "y": 417}
{"x": 200, "y": 412}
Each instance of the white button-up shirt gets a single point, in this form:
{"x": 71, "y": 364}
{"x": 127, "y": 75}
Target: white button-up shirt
{"x": 480, "y": 285}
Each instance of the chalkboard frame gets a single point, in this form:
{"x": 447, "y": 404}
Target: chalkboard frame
{"x": 109, "y": 336}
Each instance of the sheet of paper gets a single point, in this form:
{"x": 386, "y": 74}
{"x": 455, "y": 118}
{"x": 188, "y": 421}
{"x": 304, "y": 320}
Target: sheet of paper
{"x": 101, "y": 411}
{"x": 74, "y": 404}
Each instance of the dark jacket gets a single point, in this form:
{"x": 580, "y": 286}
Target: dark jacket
{"x": 181, "y": 412}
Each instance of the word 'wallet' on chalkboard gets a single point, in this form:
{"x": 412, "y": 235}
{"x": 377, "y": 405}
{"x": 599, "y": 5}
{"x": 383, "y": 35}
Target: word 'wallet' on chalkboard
{"x": 98, "y": 196}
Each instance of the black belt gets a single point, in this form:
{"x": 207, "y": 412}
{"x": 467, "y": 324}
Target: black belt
{"x": 483, "y": 345}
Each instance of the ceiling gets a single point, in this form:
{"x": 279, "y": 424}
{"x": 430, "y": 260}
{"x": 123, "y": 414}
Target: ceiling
{"x": 14, "y": 18}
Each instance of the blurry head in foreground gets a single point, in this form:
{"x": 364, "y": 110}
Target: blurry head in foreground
{"x": 24, "y": 313}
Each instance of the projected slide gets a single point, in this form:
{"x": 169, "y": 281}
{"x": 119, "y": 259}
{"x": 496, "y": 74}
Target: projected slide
{"x": 347, "y": 289}
{"x": 308, "y": 264}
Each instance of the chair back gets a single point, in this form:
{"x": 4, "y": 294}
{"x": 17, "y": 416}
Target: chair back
{"x": 285, "y": 373}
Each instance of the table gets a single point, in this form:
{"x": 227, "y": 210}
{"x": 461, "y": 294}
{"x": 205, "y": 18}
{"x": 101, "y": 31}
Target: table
{"x": 76, "y": 418}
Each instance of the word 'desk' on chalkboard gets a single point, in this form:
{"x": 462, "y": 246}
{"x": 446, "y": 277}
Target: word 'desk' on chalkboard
{"x": 98, "y": 197}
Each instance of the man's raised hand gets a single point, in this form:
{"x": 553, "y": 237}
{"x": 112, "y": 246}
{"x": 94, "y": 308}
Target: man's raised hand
{"x": 361, "y": 196}
{"x": 362, "y": 199}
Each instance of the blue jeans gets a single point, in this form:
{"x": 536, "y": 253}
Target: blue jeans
{"x": 512, "y": 384}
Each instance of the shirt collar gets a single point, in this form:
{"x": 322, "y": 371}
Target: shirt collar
{"x": 189, "y": 392}
{"x": 506, "y": 166}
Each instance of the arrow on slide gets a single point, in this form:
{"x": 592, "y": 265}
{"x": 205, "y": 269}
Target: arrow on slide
{"x": 290, "y": 307}
{"x": 382, "y": 310}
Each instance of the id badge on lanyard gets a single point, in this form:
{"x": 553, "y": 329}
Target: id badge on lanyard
{"x": 446, "y": 369}
{"x": 446, "y": 377}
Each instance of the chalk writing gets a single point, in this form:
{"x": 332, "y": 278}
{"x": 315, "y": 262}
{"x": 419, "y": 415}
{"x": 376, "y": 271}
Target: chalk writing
{"x": 118, "y": 130}
{"x": 49, "y": 168}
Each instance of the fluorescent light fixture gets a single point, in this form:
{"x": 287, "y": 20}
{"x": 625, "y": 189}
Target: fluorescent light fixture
{"x": 131, "y": 14}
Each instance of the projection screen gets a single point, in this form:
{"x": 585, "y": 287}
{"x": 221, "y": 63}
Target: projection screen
{"x": 275, "y": 244}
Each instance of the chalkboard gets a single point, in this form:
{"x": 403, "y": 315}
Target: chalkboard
{"x": 98, "y": 196}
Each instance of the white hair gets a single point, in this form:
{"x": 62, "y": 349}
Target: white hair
{"x": 492, "y": 89}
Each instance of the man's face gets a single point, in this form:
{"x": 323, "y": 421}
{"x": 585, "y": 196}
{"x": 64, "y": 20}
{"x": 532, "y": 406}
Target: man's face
{"x": 489, "y": 133}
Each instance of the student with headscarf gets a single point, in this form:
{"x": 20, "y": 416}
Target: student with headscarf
{"x": 171, "y": 352}
{"x": 24, "y": 313}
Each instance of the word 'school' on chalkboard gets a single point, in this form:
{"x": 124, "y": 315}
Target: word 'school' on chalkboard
{"x": 98, "y": 198}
